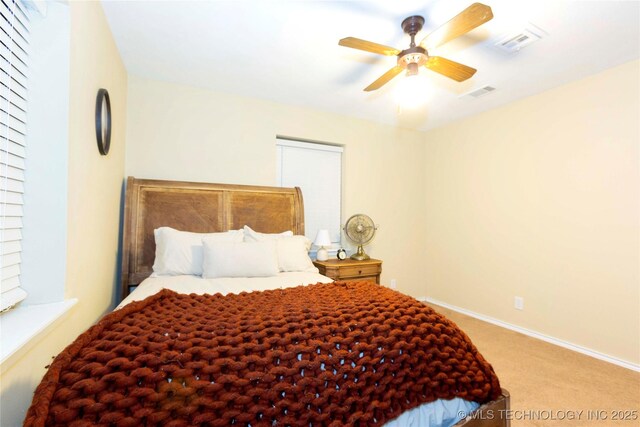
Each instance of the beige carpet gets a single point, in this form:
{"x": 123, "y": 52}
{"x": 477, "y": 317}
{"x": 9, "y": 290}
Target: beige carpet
{"x": 549, "y": 384}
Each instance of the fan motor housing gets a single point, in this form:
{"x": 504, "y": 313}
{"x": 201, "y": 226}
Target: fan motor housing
{"x": 414, "y": 55}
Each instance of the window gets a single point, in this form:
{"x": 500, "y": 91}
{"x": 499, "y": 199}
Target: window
{"x": 317, "y": 170}
{"x": 36, "y": 261}
{"x": 14, "y": 48}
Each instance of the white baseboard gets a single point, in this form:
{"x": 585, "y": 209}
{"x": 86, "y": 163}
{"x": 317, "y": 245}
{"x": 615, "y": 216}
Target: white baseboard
{"x": 534, "y": 334}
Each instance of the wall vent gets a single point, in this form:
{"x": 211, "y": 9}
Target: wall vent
{"x": 513, "y": 42}
{"x": 477, "y": 93}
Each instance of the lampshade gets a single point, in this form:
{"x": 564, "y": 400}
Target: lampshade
{"x": 322, "y": 238}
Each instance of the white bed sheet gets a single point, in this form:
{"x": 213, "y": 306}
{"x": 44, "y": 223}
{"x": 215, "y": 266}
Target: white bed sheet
{"x": 440, "y": 413}
{"x": 223, "y": 285}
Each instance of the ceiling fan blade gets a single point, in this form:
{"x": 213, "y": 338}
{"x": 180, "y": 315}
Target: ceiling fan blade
{"x": 384, "y": 79}
{"x": 470, "y": 18}
{"x": 448, "y": 68}
{"x": 368, "y": 46}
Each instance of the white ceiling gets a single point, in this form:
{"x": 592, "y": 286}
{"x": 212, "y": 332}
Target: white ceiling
{"x": 287, "y": 51}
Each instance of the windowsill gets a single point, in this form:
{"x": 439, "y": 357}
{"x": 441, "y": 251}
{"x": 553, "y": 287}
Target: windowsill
{"x": 26, "y": 324}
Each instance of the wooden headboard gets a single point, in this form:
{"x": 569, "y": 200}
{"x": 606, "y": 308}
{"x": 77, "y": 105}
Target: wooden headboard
{"x": 200, "y": 208}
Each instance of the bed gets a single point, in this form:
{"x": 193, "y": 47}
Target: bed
{"x": 207, "y": 208}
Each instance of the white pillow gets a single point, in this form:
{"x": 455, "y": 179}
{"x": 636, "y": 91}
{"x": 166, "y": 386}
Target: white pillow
{"x": 239, "y": 259}
{"x": 293, "y": 251}
{"x": 293, "y": 254}
{"x": 254, "y": 236}
{"x": 180, "y": 252}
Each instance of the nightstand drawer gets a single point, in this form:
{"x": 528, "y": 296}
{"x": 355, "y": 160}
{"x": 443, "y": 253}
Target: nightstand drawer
{"x": 358, "y": 271}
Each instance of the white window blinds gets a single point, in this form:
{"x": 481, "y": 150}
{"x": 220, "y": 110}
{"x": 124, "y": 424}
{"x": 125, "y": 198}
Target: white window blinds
{"x": 317, "y": 170}
{"x": 14, "y": 48}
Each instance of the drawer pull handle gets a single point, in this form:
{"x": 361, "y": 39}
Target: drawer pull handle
{"x": 359, "y": 271}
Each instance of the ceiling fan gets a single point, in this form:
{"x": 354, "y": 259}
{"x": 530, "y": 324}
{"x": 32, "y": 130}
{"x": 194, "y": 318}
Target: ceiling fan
{"x": 415, "y": 56}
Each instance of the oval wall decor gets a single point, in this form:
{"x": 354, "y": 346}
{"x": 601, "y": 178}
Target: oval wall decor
{"x": 103, "y": 121}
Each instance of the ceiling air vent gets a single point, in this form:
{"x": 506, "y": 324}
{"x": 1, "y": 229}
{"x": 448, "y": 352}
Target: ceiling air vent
{"x": 477, "y": 93}
{"x": 513, "y": 42}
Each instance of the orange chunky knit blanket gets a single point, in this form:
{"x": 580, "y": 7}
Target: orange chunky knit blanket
{"x": 340, "y": 354}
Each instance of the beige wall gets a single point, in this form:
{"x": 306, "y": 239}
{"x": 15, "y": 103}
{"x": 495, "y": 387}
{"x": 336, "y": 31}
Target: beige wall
{"x": 539, "y": 199}
{"x": 187, "y": 133}
{"x": 94, "y": 193}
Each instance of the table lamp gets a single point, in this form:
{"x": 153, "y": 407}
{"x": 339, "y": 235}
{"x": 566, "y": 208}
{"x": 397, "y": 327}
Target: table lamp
{"x": 322, "y": 239}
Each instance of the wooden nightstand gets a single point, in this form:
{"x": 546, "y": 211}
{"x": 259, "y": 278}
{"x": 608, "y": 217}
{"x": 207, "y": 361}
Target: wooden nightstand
{"x": 349, "y": 269}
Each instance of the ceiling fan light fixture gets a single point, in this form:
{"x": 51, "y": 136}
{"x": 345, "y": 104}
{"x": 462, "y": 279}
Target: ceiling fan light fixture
{"x": 412, "y": 69}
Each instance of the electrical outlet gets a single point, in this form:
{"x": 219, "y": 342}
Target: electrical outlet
{"x": 518, "y": 303}
{"x": 393, "y": 284}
